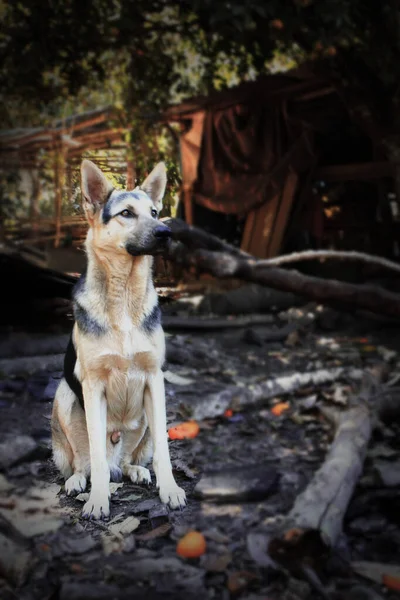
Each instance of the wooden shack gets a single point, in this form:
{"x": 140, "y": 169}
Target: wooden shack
{"x": 281, "y": 164}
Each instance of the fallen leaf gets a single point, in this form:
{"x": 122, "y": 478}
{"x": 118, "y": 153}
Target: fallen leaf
{"x": 114, "y": 487}
{"x": 131, "y": 498}
{"x": 280, "y": 408}
{"x": 391, "y": 582}
{"x": 84, "y": 497}
{"x": 124, "y": 527}
{"x": 176, "y": 379}
{"x": 192, "y": 545}
{"x": 381, "y": 573}
{"x": 155, "y": 533}
{"x": 114, "y": 545}
{"x": 189, "y": 429}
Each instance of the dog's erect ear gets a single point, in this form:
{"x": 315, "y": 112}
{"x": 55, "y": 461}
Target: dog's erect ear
{"x": 154, "y": 185}
{"x": 95, "y": 187}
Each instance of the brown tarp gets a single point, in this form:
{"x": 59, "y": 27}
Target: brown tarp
{"x": 246, "y": 153}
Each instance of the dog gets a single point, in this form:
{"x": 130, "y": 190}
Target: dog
{"x": 109, "y": 415}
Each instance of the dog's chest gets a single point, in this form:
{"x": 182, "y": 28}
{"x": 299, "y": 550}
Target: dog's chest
{"x": 125, "y": 394}
{"x": 128, "y": 362}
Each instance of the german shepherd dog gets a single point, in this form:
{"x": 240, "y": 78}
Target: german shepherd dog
{"x": 109, "y": 413}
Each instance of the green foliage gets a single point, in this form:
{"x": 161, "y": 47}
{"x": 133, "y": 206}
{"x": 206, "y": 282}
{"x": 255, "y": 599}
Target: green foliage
{"x": 145, "y": 53}
{"x": 60, "y": 57}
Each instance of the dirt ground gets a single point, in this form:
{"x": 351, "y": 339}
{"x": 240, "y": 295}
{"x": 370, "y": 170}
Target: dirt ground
{"x": 48, "y": 552}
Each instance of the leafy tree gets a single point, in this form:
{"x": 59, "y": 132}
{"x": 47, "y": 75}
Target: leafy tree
{"x": 52, "y": 51}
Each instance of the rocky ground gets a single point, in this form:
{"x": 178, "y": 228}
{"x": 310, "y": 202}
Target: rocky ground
{"x": 260, "y": 462}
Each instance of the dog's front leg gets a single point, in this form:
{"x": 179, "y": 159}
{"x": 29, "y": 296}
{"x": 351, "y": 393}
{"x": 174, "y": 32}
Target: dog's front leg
{"x": 154, "y": 404}
{"x": 98, "y": 505}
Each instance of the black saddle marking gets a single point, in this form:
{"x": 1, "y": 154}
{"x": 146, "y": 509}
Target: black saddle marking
{"x": 69, "y": 375}
{"x": 152, "y": 320}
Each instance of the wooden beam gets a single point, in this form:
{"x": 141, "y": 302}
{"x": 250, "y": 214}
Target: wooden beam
{"x": 284, "y": 208}
{"x": 188, "y": 204}
{"x": 356, "y": 171}
{"x": 130, "y": 174}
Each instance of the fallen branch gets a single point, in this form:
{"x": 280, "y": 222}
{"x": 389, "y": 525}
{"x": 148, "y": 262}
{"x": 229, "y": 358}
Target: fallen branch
{"x": 329, "y": 291}
{"x": 203, "y": 324}
{"x": 352, "y": 255}
{"x": 315, "y": 522}
{"x": 238, "y": 398}
{"x": 205, "y": 252}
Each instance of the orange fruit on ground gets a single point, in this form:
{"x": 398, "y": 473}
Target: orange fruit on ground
{"x": 280, "y": 408}
{"x": 189, "y": 429}
{"x": 192, "y": 545}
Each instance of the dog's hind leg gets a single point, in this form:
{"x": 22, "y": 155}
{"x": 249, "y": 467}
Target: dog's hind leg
{"x": 70, "y": 440}
{"x": 137, "y": 453}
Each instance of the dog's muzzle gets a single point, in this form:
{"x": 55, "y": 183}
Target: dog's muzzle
{"x": 156, "y": 242}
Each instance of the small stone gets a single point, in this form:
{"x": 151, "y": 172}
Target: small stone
{"x": 389, "y": 472}
{"x": 253, "y": 482}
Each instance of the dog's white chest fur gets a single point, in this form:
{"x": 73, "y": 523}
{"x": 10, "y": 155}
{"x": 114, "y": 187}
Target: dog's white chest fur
{"x": 125, "y": 393}
{"x": 126, "y": 362}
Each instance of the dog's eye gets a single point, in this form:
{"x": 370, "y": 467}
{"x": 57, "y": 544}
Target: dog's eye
{"x": 126, "y": 213}
{"x": 153, "y": 212}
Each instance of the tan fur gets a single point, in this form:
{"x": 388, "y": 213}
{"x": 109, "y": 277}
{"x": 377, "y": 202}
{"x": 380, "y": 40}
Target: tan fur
{"x": 119, "y": 368}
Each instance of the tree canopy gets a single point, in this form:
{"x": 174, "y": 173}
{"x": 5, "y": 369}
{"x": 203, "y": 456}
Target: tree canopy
{"x": 145, "y": 53}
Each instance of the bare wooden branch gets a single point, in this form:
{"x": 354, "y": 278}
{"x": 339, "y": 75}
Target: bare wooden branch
{"x": 239, "y": 398}
{"x": 315, "y": 522}
{"x": 352, "y": 255}
{"x": 224, "y": 261}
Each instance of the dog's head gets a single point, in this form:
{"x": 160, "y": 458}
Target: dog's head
{"x": 122, "y": 221}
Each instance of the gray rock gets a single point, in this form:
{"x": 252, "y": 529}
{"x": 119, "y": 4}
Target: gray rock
{"x": 15, "y": 448}
{"x": 389, "y": 472}
{"x": 253, "y": 482}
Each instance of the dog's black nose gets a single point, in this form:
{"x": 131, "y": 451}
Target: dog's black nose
{"x": 162, "y": 232}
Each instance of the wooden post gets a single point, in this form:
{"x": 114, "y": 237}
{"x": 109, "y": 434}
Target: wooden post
{"x": 130, "y": 174}
{"x": 187, "y": 202}
{"x": 34, "y": 204}
{"x": 58, "y": 185}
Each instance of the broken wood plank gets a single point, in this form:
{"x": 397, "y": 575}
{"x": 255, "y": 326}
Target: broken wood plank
{"x": 282, "y": 215}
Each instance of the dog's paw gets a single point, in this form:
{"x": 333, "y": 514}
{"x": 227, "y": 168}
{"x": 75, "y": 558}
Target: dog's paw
{"x": 173, "y": 495}
{"x": 138, "y": 474}
{"x": 96, "y": 508}
{"x": 75, "y": 484}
